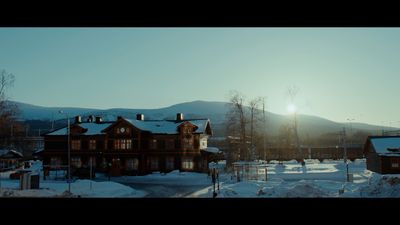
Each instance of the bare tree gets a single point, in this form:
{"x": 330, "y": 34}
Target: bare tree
{"x": 8, "y": 111}
{"x": 254, "y": 111}
{"x": 236, "y": 121}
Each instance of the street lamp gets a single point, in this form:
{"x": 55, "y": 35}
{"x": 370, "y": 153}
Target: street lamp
{"x": 69, "y": 152}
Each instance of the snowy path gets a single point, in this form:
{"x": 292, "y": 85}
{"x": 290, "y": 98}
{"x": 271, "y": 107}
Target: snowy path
{"x": 166, "y": 190}
{"x": 174, "y": 184}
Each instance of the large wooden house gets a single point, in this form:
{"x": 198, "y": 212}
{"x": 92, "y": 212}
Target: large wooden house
{"x": 133, "y": 147}
{"x": 383, "y": 154}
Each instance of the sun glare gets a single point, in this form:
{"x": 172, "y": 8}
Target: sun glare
{"x": 291, "y": 108}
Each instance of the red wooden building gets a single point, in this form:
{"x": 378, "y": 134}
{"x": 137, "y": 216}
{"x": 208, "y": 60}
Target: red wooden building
{"x": 383, "y": 154}
{"x": 132, "y": 147}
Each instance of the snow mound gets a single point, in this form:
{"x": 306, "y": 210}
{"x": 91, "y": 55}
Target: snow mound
{"x": 382, "y": 186}
{"x": 303, "y": 190}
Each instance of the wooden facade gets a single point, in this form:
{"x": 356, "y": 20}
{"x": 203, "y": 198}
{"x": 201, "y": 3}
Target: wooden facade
{"x": 131, "y": 147}
{"x": 383, "y": 154}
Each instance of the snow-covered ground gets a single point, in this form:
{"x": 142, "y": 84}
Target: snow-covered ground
{"x": 327, "y": 179}
{"x": 290, "y": 179}
{"x": 54, "y": 188}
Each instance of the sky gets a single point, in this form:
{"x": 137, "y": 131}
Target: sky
{"x": 342, "y": 74}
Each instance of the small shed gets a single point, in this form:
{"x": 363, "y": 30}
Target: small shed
{"x": 253, "y": 170}
{"x": 383, "y": 154}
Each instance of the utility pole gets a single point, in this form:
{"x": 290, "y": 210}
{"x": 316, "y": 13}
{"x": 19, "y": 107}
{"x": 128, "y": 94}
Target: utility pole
{"x": 351, "y": 130}
{"x": 345, "y": 154}
{"x": 265, "y": 131}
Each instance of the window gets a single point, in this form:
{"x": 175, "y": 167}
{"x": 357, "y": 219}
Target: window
{"x": 395, "y": 163}
{"x": 187, "y": 163}
{"x": 92, "y": 144}
{"x": 55, "y": 161}
{"x": 117, "y": 144}
{"x": 169, "y": 163}
{"x": 203, "y": 143}
{"x": 76, "y": 144}
{"x": 153, "y": 144}
{"x": 132, "y": 164}
{"x": 128, "y": 144}
{"x": 187, "y": 143}
{"x": 170, "y": 144}
{"x": 187, "y": 130}
{"x": 76, "y": 162}
{"x": 153, "y": 163}
{"x": 123, "y": 144}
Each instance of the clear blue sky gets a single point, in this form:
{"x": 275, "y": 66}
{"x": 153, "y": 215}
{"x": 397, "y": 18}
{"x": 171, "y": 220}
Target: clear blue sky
{"x": 341, "y": 72}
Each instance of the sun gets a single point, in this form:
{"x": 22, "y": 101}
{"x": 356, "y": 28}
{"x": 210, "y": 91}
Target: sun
{"x": 291, "y": 108}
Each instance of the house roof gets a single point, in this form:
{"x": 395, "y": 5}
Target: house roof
{"x": 167, "y": 126}
{"x": 91, "y": 128}
{"x": 386, "y": 145}
{"x": 5, "y": 153}
{"x": 152, "y": 126}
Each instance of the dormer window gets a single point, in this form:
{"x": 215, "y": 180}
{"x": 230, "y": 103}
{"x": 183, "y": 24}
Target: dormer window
{"x": 394, "y": 149}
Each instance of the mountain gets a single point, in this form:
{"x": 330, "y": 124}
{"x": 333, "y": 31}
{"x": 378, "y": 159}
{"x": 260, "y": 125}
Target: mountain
{"x": 215, "y": 111}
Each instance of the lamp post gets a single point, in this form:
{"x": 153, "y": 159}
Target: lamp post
{"x": 69, "y": 152}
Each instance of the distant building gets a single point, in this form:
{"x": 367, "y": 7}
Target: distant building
{"x": 383, "y": 154}
{"x": 9, "y": 159}
{"x": 133, "y": 147}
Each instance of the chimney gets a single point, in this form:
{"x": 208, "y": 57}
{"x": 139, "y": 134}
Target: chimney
{"x": 139, "y": 116}
{"x": 179, "y": 116}
{"x": 98, "y": 119}
{"x": 90, "y": 119}
{"x": 78, "y": 119}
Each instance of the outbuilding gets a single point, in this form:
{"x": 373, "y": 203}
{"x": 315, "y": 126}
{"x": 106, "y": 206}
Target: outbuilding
{"x": 383, "y": 154}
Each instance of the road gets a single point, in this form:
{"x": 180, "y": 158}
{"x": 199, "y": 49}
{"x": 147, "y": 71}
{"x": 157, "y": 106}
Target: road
{"x": 166, "y": 190}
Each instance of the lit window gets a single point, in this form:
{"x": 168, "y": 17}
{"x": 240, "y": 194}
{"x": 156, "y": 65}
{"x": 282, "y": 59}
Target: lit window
{"x": 128, "y": 144}
{"x": 395, "y": 165}
{"x": 123, "y": 144}
{"x": 187, "y": 163}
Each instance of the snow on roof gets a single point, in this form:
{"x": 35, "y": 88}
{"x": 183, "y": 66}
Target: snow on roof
{"x": 153, "y": 126}
{"x": 92, "y": 128}
{"x": 211, "y": 149}
{"x": 167, "y": 126}
{"x": 386, "y": 145}
{"x": 5, "y": 153}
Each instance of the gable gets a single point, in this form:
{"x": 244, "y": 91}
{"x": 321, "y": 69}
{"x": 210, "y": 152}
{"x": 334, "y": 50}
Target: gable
{"x": 115, "y": 128}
